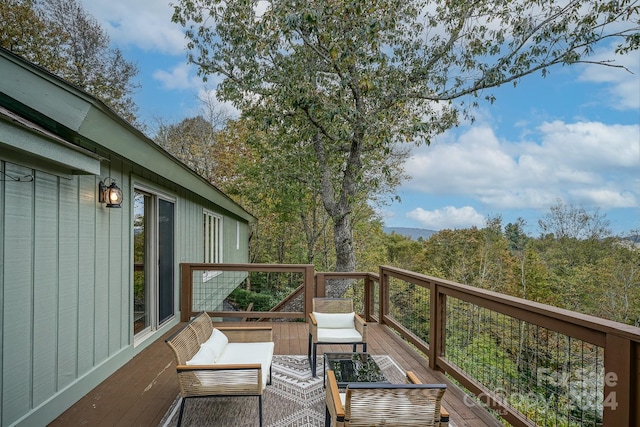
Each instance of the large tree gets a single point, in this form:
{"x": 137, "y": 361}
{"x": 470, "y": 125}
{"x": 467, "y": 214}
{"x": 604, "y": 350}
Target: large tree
{"x": 60, "y": 36}
{"x": 352, "y": 80}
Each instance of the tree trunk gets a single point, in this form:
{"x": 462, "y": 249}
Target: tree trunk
{"x": 345, "y": 256}
{"x": 338, "y": 206}
{"x": 343, "y": 240}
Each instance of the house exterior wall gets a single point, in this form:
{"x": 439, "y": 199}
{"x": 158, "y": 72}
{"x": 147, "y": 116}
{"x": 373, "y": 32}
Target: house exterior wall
{"x": 66, "y": 261}
{"x": 66, "y": 281}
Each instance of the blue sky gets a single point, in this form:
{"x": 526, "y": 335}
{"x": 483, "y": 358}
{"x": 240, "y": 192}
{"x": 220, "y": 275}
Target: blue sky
{"x": 573, "y": 136}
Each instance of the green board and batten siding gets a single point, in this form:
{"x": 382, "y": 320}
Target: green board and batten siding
{"x": 66, "y": 271}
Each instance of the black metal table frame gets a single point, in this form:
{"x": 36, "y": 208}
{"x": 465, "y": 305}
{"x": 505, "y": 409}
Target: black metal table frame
{"x": 378, "y": 377}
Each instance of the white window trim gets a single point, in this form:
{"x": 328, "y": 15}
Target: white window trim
{"x": 212, "y": 241}
{"x": 237, "y": 235}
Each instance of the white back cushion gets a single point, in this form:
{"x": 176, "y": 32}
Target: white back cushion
{"x": 216, "y": 343}
{"x": 334, "y": 320}
{"x": 204, "y": 356}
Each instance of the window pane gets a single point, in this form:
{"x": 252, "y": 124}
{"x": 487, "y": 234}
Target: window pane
{"x": 165, "y": 260}
{"x": 212, "y": 238}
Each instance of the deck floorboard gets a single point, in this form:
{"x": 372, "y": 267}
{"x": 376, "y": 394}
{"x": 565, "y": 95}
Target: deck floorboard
{"x": 141, "y": 392}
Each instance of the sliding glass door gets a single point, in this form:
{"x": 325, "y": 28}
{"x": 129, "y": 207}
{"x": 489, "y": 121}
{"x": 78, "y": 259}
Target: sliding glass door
{"x": 165, "y": 261}
{"x": 153, "y": 261}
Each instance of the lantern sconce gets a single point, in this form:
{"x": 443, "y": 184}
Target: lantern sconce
{"x": 109, "y": 193}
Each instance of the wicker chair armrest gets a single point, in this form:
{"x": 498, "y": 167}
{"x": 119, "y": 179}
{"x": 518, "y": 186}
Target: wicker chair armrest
{"x": 220, "y": 380}
{"x": 334, "y": 404}
{"x": 313, "y": 319}
{"x": 238, "y": 334}
{"x": 361, "y": 326}
{"x": 444, "y": 417}
{"x": 313, "y": 327}
{"x": 412, "y": 378}
{"x": 388, "y": 386}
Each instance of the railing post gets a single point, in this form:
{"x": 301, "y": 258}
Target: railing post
{"x": 384, "y": 295}
{"x": 186, "y": 292}
{"x": 309, "y": 292}
{"x": 620, "y": 395}
{"x": 437, "y": 324}
{"x": 434, "y": 331}
{"x": 368, "y": 300}
{"x": 321, "y": 285}
{"x": 442, "y": 326}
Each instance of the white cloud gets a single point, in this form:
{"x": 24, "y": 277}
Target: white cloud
{"x": 447, "y": 168}
{"x": 207, "y": 95}
{"x": 447, "y": 217}
{"x": 591, "y": 146}
{"x": 261, "y": 7}
{"x": 622, "y": 87}
{"x": 145, "y": 24}
{"x": 604, "y": 197}
{"x": 587, "y": 163}
{"x": 181, "y": 77}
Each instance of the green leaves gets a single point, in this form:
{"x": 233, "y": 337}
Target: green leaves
{"x": 352, "y": 79}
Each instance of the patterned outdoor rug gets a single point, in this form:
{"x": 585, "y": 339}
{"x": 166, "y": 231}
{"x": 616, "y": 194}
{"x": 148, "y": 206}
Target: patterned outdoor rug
{"x": 294, "y": 399}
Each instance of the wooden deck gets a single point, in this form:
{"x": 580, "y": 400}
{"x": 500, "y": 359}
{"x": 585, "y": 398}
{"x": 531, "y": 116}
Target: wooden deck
{"x": 140, "y": 393}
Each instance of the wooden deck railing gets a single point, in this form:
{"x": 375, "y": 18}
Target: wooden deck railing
{"x": 187, "y": 270}
{"x": 430, "y": 313}
{"x": 369, "y": 281}
{"x": 620, "y": 343}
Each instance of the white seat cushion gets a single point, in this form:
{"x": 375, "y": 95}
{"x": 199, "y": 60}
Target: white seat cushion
{"x": 339, "y": 335}
{"x": 334, "y": 320}
{"x": 254, "y": 352}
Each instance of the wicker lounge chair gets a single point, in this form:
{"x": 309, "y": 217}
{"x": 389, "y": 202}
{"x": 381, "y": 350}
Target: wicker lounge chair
{"x": 236, "y": 361}
{"x": 333, "y": 321}
{"x": 383, "y": 404}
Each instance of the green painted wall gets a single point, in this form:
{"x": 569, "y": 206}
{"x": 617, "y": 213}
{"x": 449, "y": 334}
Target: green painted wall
{"x": 66, "y": 281}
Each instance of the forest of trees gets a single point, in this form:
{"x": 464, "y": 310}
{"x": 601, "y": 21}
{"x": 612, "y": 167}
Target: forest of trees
{"x": 597, "y": 275}
{"x": 574, "y": 261}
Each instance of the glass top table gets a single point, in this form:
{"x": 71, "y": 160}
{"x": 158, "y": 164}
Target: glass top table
{"x": 353, "y": 368}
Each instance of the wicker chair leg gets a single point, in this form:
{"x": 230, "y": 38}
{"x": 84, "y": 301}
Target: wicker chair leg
{"x": 181, "y": 411}
{"x": 260, "y": 408}
{"x": 309, "y": 349}
{"x": 327, "y": 417}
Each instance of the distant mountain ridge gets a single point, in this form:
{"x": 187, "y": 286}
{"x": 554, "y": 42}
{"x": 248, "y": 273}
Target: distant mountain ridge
{"x": 416, "y": 233}
{"x": 412, "y": 233}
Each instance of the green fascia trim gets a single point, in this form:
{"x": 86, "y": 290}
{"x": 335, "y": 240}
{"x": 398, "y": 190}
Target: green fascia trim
{"x": 26, "y": 139}
{"x": 42, "y": 91}
{"x": 119, "y": 137}
{"x": 92, "y": 122}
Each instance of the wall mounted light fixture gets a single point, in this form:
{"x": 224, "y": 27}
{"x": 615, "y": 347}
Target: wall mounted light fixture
{"x": 109, "y": 193}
